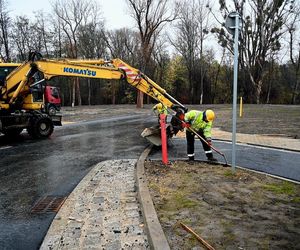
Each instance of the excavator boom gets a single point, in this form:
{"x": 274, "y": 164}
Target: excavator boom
{"x": 17, "y": 93}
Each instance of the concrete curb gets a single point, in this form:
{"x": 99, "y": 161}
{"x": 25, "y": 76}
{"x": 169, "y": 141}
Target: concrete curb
{"x": 156, "y": 235}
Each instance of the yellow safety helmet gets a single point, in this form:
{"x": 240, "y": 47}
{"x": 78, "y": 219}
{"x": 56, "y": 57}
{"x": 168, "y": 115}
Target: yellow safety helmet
{"x": 209, "y": 115}
{"x": 159, "y": 106}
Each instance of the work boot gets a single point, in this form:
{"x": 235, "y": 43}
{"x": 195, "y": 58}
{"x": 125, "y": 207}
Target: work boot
{"x": 210, "y": 157}
{"x": 191, "y": 158}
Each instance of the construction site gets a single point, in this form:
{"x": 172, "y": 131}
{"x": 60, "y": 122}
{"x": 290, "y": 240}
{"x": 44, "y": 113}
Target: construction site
{"x": 157, "y": 124}
{"x": 166, "y": 189}
{"x": 245, "y": 209}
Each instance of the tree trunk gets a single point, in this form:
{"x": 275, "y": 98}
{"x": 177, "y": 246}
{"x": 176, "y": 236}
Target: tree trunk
{"x": 78, "y": 91}
{"x": 201, "y": 98}
{"x": 191, "y": 87}
{"x": 201, "y": 84}
{"x": 270, "y": 82}
{"x": 73, "y": 93}
{"x": 113, "y": 86}
{"x": 295, "y": 90}
{"x": 258, "y": 88}
{"x": 257, "y": 85}
{"x": 70, "y": 88}
{"x": 89, "y": 91}
{"x": 4, "y": 31}
{"x": 269, "y": 91}
{"x": 140, "y": 98}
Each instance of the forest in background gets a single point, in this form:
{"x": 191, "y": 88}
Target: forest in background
{"x": 171, "y": 44}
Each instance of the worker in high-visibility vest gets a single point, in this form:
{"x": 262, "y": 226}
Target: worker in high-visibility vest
{"x": 159, "y": 109}
{"x": 201, "y": 123}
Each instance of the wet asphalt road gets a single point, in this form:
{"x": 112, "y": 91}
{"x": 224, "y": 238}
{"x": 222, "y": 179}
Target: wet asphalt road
{"x": 272, "y": 161}
{"x": 30, "y": 170}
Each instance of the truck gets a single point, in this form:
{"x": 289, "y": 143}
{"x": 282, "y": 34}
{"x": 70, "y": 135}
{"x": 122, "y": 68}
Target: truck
{"x": 51, "y": 94}
{"x": 22, "y": 102}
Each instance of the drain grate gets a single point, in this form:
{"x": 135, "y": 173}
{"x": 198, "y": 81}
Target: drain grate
{"x": 48, "y": 204}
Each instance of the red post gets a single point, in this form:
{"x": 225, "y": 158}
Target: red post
{"x": 163, "y": 139}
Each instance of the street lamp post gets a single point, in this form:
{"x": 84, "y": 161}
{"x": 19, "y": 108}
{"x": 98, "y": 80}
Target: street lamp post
{"x": 232, "y": 25}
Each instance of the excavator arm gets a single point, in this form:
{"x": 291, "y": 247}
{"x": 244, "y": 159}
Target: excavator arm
{"x": 18, "y": 82}
{"x": 113, "y": 69}
{"x": 19, "y": 110}
{"x": 137, "y": 79}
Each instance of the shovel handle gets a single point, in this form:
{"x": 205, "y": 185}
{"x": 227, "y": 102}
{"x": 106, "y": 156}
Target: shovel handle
{"x": 212, "y": 147}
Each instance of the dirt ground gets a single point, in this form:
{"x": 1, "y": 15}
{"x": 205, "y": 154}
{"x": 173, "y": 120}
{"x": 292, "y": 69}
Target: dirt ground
{"x": 88, "y": 113}
{"x": 240, "y": 210}
{"x": 230, "y": 211}
{"x": 274, "y": 120}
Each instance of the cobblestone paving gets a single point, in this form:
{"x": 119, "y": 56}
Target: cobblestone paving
{"x": 101, "y": 213}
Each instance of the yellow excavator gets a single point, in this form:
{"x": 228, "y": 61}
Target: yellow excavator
{"x": 21, "y": 92}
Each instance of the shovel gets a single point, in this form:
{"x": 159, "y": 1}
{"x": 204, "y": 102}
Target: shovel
{"x": 202, "y": 139}
{"x": 212, "y": 147}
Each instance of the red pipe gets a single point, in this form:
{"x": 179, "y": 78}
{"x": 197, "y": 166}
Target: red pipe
{"x": 164, "y": 149}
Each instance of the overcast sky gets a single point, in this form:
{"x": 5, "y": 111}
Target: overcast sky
{"x": 115, "y": 12}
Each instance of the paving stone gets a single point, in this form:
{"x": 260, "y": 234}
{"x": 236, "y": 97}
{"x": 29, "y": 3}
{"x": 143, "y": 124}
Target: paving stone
{"x": 102, "y": 213}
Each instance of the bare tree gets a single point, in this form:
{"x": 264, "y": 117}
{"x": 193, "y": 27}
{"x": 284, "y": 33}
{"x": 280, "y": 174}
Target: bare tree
{"x": 73, "y": 14}
{"x": 262, "y": 30}
{"x": 204, "y": 27}
{"x": 91, "y": 44}
{"x": 42, "y": 32}
{"x": 91, "y": 41}
{"x": 187, "y": 39}
{"x": 123, "y": 43}
{"x": 5, "y": 22}
{"x": 21, "y": 36}
{"x": 270, "y": 75}
{"x": 91, "y": 36}
{"x": 30, "y": 35}
{"x": 294, "y": 48}
{"x": 161, "y": 60}
{"x": 191, "y": 31}
{"x": 150, "y": 17}
{"x": 57, "y": 37}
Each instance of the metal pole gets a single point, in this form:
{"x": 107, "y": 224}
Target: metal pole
{"x": 235, "y": 77}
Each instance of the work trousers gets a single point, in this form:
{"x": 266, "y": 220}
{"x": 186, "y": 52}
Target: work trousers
{"x": 190, "y": 138}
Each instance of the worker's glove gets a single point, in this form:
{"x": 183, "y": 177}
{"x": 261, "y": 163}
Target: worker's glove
{"x": 186, "y": 125}
{"x": 208, "y": 140}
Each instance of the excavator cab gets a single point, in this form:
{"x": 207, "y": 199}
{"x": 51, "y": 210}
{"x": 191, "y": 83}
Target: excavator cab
{"x": 36, "y": 87}
{"x": 5, "y": 69}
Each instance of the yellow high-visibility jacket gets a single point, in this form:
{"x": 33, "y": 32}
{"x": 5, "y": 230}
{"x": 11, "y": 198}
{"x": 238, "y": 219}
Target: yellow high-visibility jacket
{"x": 195, "y": 118}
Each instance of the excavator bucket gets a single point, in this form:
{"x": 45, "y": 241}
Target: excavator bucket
{"x": 153, "y": 135}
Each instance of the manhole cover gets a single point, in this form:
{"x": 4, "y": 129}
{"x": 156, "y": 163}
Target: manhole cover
{"x": 48, "y": 204}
